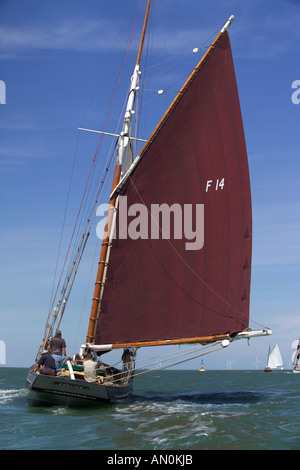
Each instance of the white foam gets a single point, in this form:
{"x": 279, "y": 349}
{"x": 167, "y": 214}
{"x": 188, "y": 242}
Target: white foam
{"x": 8, "y": 395}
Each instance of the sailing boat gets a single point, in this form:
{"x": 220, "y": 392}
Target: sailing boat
{"x": 159, "y": 285}
{"x": 296, "y": 361}
{"x": 202, "y": 367}
{"x": 274, "y": 359}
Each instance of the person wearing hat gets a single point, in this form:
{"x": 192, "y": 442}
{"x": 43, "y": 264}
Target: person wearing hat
{"x": 57, "y": 347}
{"x": 46, "y": 364}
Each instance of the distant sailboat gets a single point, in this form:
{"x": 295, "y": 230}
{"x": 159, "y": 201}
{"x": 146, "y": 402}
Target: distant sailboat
{"x": 296, "y": 361}
{"x": 274, "y": 359}
{"x": 202, "y": 367}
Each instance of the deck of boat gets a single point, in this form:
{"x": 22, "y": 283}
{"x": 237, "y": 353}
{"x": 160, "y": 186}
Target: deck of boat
{"x": 62, "y": 390}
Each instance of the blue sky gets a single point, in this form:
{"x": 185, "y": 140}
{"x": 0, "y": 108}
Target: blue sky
{"x": 60, "y": 61}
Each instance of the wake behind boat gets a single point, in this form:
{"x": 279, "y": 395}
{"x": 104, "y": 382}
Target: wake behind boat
{"x": 159, "y": 284}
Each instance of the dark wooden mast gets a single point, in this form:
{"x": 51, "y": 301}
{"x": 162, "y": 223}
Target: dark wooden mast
{"x": 123, "y": 141}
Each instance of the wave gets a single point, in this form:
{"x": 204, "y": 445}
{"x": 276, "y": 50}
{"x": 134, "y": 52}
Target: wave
{"x": 204, "y": 398}
{"x": 9, "y": 395}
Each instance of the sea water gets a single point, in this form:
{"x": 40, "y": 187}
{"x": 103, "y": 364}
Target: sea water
{"x": 182, "y": 410}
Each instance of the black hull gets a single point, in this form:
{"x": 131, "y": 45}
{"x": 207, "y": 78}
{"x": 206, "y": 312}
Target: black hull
{"x": 47, "y": 390}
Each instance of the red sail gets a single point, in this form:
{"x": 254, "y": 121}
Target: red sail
{"x": 171, "y": 288}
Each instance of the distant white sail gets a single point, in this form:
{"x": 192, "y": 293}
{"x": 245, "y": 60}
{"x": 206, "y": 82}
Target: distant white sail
{"x": 275, "y": 359}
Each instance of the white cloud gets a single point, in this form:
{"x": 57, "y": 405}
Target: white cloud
{"x": 86, "y": 36}
{"x": 72, "y": 35}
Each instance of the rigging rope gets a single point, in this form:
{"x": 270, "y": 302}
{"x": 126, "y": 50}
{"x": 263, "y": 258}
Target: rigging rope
{"x": 141, "y": 370}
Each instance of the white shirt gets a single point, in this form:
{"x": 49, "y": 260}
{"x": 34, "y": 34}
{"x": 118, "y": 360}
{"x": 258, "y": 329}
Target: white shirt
{"x": 90, "y": 373}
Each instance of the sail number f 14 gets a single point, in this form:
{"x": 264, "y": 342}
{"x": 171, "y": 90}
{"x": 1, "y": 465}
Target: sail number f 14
{"x": 218, "y": 184}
